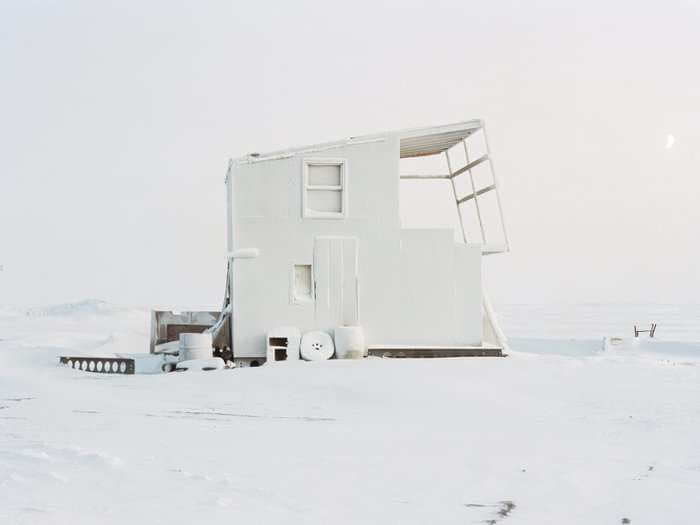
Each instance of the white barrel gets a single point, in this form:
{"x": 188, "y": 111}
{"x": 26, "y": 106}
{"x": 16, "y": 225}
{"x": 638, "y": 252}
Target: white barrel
{"x": 210, "y": 363}
{"x": 350, "y": 342}
{"x": 195, "y": 346}
{"x": 316, "y": 346}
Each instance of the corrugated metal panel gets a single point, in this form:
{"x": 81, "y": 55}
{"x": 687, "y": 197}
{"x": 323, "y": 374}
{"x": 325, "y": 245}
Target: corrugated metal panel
{"x": 432, "y": 143}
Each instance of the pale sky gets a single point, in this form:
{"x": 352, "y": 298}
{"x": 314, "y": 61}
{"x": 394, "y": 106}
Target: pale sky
{"x": 117, "y": 120}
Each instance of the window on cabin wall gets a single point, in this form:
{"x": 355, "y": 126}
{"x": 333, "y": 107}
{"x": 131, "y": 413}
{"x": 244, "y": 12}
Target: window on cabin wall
{"x": 325, "y": 189}
{"x": 302, "y": 283}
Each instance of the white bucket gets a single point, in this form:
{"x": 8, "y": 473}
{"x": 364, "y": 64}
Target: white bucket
{"x": 316, "y": 346}
{"x": 350, "y": 342}
{"x": 195, "y": 346}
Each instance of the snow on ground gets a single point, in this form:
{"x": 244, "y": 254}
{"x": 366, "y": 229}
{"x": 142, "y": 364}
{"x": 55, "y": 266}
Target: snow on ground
{"x": 575, "y": 436}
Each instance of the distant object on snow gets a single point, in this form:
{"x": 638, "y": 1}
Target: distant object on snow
{"x": 623, "y": 343}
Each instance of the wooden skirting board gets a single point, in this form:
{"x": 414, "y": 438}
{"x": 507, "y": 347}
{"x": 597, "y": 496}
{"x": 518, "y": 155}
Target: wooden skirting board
{"x": 434, "y": 351}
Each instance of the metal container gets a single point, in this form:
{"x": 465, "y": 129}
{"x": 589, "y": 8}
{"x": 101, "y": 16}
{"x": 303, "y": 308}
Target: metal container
{"x": 195, "y": 346}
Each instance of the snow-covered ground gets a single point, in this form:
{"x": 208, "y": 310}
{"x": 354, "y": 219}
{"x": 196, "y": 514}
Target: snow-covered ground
{"x": 564, "y": 433}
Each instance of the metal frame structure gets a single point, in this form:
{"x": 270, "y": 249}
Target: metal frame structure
{"x": 451, "y": 175}
{"x": 492, "y": 328}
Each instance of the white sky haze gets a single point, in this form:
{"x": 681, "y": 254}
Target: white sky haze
{"x": 117, "y": 120}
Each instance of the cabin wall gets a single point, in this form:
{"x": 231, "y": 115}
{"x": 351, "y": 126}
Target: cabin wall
{"x": 435, "y": 293}
{"x": 416, "y": 286}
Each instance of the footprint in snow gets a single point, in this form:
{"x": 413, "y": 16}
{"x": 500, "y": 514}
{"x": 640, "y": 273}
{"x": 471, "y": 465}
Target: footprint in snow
{"x": 503, "y": 510}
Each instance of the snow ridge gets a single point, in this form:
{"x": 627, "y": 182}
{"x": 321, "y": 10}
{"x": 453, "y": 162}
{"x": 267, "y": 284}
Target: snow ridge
{"x": 85, "y": 307}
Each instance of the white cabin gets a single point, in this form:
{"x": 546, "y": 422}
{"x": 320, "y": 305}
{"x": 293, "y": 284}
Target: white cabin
{"x": 315, "y": 242}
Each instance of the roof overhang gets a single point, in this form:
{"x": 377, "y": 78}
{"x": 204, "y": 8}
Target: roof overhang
{"x": 422, "y": 142}
{"x": 414, "y": 142}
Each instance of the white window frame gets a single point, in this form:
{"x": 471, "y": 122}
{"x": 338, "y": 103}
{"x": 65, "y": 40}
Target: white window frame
{"x": 293, "y": 298}
{"x": 343, "y": 188}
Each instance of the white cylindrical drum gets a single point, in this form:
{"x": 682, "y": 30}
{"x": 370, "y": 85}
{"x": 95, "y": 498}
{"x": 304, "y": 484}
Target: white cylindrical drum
{"x": 350, "y": 342}
{"x": 316, "y": 346}
{"x": 195, "y": 346}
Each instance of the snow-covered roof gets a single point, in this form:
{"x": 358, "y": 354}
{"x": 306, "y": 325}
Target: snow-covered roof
{"x": 415, "y": 142}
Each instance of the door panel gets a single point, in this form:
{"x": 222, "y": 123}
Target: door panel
{"x": 335, "y": 278}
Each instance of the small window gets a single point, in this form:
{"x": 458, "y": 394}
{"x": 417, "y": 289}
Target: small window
{"x": 303, "y": 283}
{"x": 325, "y": 188}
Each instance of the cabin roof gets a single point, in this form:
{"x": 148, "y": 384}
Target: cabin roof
{"x": 414, "y": 142}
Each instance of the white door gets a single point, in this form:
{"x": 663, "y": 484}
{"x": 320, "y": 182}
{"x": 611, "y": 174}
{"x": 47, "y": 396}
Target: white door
{"x": 335, "y": 279}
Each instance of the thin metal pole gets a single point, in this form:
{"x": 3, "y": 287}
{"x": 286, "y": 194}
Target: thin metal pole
{"x": 501, "y": 338}
{"x": 454, "y": 192}
{"x": 495, "y": 182}
{"x": 230, "y": 274}
{"x": 476, "y": 195}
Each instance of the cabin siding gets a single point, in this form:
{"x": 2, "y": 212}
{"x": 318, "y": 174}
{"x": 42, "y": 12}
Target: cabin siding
{"x": 416, "y": 286}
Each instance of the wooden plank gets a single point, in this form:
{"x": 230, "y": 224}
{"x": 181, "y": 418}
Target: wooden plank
{"x": 476, "y": 201}
{"x": 472, "y": 164}
{"x": 488, "y": 249}
{"x": 311, "y": 187}
{"x": 476, "y": 193}
{"x": 425, "y": 177}
{"x": 434, "y": 351}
